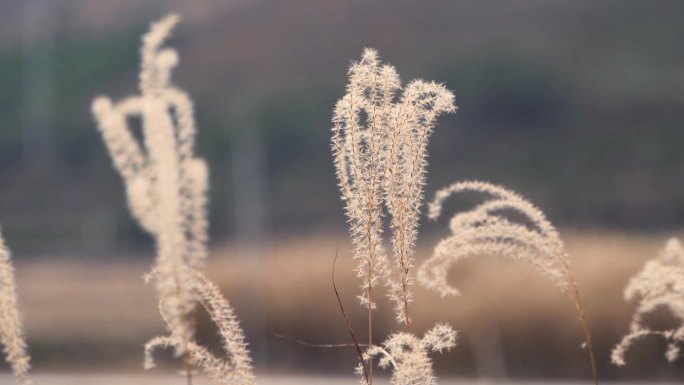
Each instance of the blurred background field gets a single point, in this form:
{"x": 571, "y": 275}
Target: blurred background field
{"x": 99, "y": 313}
{"x": 111, "y": 379}
{"x": 576, "y": 105}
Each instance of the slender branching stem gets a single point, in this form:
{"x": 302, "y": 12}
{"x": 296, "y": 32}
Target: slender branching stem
{"x": 581, "y": 315}
{"x": 370, "y": 321}
{"x": 187, "y": 363}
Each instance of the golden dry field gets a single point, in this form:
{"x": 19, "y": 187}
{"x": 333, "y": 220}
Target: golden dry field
{"x": 236, "y": 191}
{"x": 78, "y": 310}
{"x": 117, "y": 379}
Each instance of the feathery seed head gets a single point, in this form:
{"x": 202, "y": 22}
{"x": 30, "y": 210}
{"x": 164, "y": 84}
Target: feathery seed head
{"x": 166, "y": 185}
{"x": 659, "y": 284}
{"x": 485, "y": 230}
{"x": 379, "y": 147}
{"x": 11, "y": 331}
{"x": 236, "y": 369}
{"x": 101, "y": 106}
{"x": 407, "y": 355}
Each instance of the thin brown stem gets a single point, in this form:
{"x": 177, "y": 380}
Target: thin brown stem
{"x": 370, "y": 323}
{"x": 187, "y": 360}
{"x": 406, "y": 305}
{"x": 581, "y": 315}
{"x": 587, "y": 333}
{"x": 346, "y": 318}
{"x": 313, "y": 345}
{"x": 188, "y": 367}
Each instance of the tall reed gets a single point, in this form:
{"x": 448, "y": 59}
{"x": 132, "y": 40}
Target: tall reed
{"x": 486, "y": 230}
{"x": 166, "y": 185}
{"x": 379, "y": 144}
{"x": 11, "y": 331}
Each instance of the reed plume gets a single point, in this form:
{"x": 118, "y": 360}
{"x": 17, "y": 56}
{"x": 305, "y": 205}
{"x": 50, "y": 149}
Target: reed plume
{"x": 11, "y": 331}
{"x": 379, "y": 145}
{"x": 358, "y": 150}
{"x": 412, "y": 120}
{"x": 486, "y": 230}
{"x": 166, "y": 186}
{"x": 238, "y": 368}
{"x": 659, "y": 284}
{"x": 407, "y": 355}
{"x": 380, "y": 149}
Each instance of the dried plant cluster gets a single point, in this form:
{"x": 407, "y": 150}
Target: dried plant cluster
{"x": 238, "y": 368}
{"x": 659, "y": 284}
{"x": 166, "y": 187}
{"x": 379, "y": 144}
{"x": 380, "y": 148}
{"x": 407, "y": 355}
{"x": 11, "y": 331}
{"x": 486, "y": 230}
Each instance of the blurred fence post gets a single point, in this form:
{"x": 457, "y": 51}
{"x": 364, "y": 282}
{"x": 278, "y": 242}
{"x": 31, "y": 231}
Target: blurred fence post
{"x": 251, "y": 208}
{"x": 487, "y": 348}
{"x": 38, "y": 85}
{"x": 250, "y": 190}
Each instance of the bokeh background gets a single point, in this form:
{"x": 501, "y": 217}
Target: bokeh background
{"x": 576, "y": 105}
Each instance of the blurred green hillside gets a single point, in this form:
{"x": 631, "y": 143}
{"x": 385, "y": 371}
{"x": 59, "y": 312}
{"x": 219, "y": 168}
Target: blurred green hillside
{"x": 579, "y": 105}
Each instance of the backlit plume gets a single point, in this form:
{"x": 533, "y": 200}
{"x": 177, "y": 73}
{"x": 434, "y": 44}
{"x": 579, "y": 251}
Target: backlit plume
{"x": 659, "y": 284}
{"x": 380, "y": 137}
{"x": 379, "y": 142}
{"x": 485, "y": 230}
{"x": 407, "y": 355}
{"x": 489, "y": 229}
{"x": 11, "y": 331}
{"x": 166, "y": 185}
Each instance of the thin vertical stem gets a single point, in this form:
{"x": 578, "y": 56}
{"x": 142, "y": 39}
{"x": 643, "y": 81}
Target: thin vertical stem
{"x": 187, "y": 360}
{"x": 581, "y": 315}
{"x": 587, "y": 334}
{"x": 370, "y": 323}
{"x": 188, "y": 367}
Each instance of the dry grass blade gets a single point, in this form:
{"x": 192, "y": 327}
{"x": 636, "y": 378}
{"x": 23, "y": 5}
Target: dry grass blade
{"x": 11, "y": 331}
{"x": 486, "y": 230}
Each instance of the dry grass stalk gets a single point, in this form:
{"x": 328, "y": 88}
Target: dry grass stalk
{"x": 167, "y": 187}
{"x": 379, "y": 147}
{"x": 238, "y": 368}
{"x": 659, "y": 284}
{"x": 485, "y": 230}
{"x": 11, "y": 331}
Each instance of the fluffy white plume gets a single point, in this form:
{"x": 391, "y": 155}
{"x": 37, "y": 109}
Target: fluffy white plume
{"x": 659, "y": 284}
{"x": 11, "y": 331}
{"x": 407, "y": 355}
